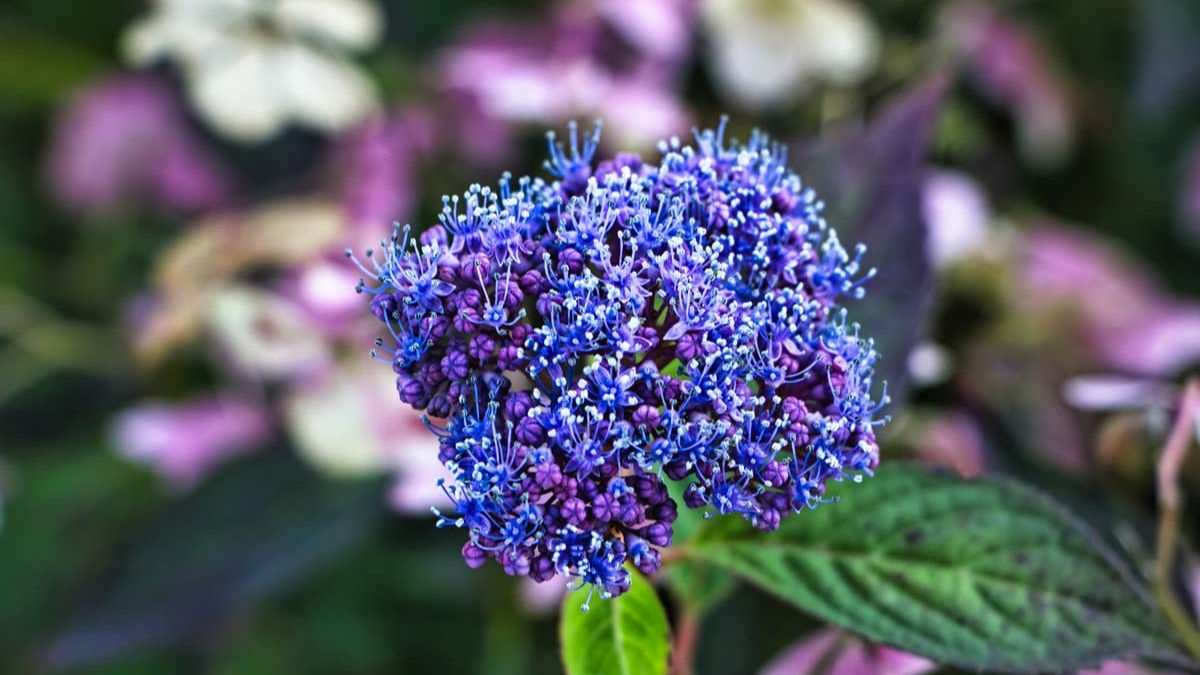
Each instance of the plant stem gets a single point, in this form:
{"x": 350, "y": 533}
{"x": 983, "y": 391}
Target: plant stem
{"x": 687, "y": 635}
{"x": 1170, "y": 502}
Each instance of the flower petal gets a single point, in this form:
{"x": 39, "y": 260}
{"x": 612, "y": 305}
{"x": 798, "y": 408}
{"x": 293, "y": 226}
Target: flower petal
{"x": 348, "y": 23}
{"x": 240, "y": 94}
{"x": 322, "y": 91}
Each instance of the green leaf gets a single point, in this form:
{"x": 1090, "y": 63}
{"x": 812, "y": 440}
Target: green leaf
{"x": 978, "y": 574}
{"x": 39, "y": 69}
{"x": 625, "y": 635}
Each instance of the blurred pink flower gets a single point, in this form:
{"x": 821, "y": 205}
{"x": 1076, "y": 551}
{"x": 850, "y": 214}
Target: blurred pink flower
{"x": 957, "y": 213}
{"x": 540, "y": 599}
{"x": 324, "y": 289}
{"x": 125, "y": 140}
{"x": 1011, "y": 67}
{"x": 1131, "y": 324}
{"x": 661, "y": 29}
{"x": 832, "y": 652}
{"x": 951, "y": 439}
{"x": 379, "y": 167}
{"x": 184, "y": 442}
{"x": 571, "y": 66}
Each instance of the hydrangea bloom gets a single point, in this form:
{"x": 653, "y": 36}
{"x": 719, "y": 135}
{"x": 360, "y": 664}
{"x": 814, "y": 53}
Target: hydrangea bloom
{"x": 587, "y": 338}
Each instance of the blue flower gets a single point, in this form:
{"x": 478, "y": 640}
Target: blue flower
{"x": 586, "y": 339}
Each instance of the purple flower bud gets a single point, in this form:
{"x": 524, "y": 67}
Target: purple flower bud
{"x": 588, "y": 489}
{"x": 571, "y": 259}
{"x": 412, "y": 391}
{"x": 649, "y": 562}
{"x": 513, "y": 296}
{"x": 508, "y": 358}
{"x": 694, "y": 497}
{"x": 775, "y": 474}
{"x": 547, "y": 475}
{"x": 604, "y": 507}
{"x": 467, "y": 320}
{"x": 658, "y": 534}
{"x": 529, "y": 431}
{"x": 436, "y": 327}
{"x": 767, "y": 520}
{"x": 515, "y": 565}
{"x": 646, "y": 416}
{"x": 430, "y": 374}
{"x": 474, "y": 556}
{"x": 440, "y": 405}
{"x": 468, "y": 297}
{"x": 517, "y": 405}
{"x": 383, "y": 306}
{"x": 677, "y": 470}
{"x": 532, "y": 282}
{"x": 546, "y": 303}
{"x": 454, "y": 364}
{"x": 447, "y": 270}
{"x": 541, "y": 569}
{"x": 689, "y": 347}
{"x": 666, "y": 511}
{"x": 632, "y": 514}
{"x": 481, "y": 347}
{"x": 574, "y": 511}
{"x": 518, "y": 334}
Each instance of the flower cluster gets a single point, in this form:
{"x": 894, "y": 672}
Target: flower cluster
{"x": 587, "y": 338}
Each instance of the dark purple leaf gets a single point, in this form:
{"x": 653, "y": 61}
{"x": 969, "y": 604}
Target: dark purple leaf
{"x": 1169, "y": 55}
{"x": 870, "y": 180}
{"x": 254, "y": 530}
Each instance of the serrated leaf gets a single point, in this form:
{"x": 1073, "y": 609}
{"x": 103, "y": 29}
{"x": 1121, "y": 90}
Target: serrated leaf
{"x": 978, "y": 574}
{"x": 251, "y": 531}
{"x": 625, "y": 635}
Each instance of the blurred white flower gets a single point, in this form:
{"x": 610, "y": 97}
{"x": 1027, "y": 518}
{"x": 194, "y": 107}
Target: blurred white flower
{"x": 253, "y": 66}
{"x": 765, "y": 52}
{"x": 263, "y": 334}
{"x": 957, "y": 213}
{"x": 346, "y": 422}
{"x": 1108, "y": 392}
{"x": 929, "y": 364}
{"x": 331, "y": 421}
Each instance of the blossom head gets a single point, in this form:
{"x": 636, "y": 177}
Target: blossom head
{"x": 588, "y": 338}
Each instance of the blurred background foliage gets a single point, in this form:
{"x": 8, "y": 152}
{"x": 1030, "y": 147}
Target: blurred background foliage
{"x": 198, "y": 475}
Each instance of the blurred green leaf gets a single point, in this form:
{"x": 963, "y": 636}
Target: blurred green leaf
{"x": 982, "y": 575}
{"x": 625, "y": 635}
{"x": 38, "y": 69}
{"x": 701, "y": 587}
{"x": 80, "y": 496}
{"x": 257, "y": 528}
